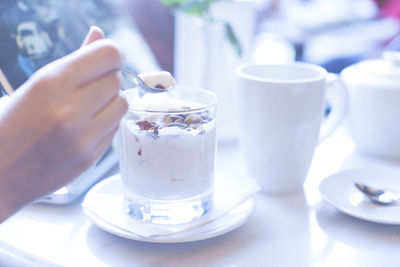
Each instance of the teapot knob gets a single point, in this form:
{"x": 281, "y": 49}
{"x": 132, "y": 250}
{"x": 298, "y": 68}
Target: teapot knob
{"x": 393, "y": 57}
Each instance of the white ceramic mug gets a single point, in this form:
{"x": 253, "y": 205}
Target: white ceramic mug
{"x": 374, "y": 105}
{"x": 281, "y": 107}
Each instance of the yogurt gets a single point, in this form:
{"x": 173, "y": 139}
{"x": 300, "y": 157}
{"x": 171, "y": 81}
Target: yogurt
{"x": 158, "y": 79}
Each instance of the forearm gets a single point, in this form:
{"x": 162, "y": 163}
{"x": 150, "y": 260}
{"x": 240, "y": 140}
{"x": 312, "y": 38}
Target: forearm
{"x": 6, "y": 208}
{"x": 9, "y": 203}
{"x": 14, "y": 194}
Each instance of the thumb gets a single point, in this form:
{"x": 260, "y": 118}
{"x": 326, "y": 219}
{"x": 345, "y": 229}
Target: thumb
{"x": 94, "y": 34}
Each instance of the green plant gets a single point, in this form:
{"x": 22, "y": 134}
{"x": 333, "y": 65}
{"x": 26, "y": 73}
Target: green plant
{"x": 201, "y": 8}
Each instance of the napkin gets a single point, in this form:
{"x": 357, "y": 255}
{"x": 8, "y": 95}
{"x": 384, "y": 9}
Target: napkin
{"x": 229, "y": 192}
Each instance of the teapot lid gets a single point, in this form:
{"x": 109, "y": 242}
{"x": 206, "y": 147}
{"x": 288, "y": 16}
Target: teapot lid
{"x": 382, "y": 71}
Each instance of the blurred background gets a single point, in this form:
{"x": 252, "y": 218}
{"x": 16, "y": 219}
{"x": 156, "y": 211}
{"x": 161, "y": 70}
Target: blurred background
{"x": 333, "y": 34}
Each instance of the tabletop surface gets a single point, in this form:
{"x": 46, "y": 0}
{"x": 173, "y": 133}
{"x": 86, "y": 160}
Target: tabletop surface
{"x": 284, "y": 230}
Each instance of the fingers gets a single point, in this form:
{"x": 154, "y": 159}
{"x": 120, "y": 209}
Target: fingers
{"x": 108, "y": 118}
{"x": 95, "y": 95}
{"x": 91, "y": 62}
{"x": 94, "y": 34}
{"x": 97, "y": 150}
{"x": 100, "y": 127}
{"x": 103, "y": 144}
{"x": 95, "y": 59}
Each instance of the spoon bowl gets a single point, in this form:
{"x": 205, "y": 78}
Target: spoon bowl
{"x": 378, "y": 195}
{"x": 143, "y": 87}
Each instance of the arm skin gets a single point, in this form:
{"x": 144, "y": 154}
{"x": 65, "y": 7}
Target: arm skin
{"x": 59, "y": 122}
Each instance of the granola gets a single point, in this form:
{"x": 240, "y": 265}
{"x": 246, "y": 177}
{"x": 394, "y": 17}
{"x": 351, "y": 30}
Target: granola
{"x": 188, "y": 122}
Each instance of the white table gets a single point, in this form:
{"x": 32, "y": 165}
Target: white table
{"x": 284, "y": 230}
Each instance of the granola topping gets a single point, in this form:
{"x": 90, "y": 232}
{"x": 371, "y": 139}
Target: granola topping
{"x": 188, "y": 122}
{"x": 146, "y": 125}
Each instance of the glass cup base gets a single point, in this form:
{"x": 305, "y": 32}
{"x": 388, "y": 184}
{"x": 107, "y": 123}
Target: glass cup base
{"x": 168, "y": 211}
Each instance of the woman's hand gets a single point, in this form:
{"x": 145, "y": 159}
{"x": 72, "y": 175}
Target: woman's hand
{"x": 59, "y": 122}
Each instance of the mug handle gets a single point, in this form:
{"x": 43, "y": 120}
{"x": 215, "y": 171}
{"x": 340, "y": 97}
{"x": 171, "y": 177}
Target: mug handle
{"x": 337, "y": 93}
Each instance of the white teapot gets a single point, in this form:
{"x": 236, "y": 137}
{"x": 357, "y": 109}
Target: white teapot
{"x": 373, "y": 118}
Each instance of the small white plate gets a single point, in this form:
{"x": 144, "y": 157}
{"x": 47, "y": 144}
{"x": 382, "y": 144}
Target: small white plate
{"x": 112, "y": 186}
{"x": 339, "y": 191}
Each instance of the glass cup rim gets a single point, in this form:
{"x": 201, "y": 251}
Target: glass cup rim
{"x": 179, "y": 87}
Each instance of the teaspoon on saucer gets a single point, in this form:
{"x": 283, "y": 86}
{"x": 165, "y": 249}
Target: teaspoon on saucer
{"x": 377, "y": 195}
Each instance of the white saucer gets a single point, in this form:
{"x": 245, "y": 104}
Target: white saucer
{"x": 339, "y": 191}
{"x": 111, "y": 190}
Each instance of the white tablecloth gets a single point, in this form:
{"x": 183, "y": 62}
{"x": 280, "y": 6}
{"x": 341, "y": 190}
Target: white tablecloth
{"x": 285, "y": 230}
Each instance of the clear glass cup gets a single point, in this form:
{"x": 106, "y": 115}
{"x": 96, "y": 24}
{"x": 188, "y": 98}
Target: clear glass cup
{"x": 167, "y": 145}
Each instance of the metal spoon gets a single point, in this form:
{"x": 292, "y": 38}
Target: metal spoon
{"x": 378, "y": 196}
{"x": 143, "y": 87}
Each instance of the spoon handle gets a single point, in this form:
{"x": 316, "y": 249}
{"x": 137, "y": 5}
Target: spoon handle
{"x": 378, "y": 195}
